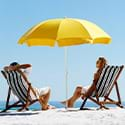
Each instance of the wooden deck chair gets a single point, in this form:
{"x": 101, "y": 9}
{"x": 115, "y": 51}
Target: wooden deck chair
{"x": 22, "y": 89}
{"x": 108, "y": 80}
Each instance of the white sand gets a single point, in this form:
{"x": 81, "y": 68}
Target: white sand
{"x": 114, "y": 116}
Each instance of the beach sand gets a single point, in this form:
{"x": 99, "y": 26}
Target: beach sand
{"x": 113, "y": 116}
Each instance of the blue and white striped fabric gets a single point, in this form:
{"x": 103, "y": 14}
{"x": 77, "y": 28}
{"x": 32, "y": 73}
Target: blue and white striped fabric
{"x": 18, "y": 85}
{"x": 106, "y": 80}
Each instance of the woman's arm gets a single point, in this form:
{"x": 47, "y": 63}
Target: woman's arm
{"x": 16, "y": 67}
{"x": 23, "y": 66}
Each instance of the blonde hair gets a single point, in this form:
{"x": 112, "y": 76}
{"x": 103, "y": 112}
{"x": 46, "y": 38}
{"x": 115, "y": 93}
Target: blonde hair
{"x": 103, "y": 61}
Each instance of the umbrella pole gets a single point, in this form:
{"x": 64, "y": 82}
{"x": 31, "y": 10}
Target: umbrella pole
{"x": 66, "y": 75}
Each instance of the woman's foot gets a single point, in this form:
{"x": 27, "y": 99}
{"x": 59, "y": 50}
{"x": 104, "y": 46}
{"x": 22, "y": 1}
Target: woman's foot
{"x": 47, "y": 107}
{"x": 68, "y": 103}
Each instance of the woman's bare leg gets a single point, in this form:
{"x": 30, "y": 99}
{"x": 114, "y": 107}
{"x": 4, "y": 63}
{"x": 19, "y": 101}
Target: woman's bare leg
{"x": 44, "y": 100}
{"x": 76, "y": 95}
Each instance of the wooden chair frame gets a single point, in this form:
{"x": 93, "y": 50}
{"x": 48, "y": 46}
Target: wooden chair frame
{"x": 19, "y": 103}
{"x": 106, "y": 99}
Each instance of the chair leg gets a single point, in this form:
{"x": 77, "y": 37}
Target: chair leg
{"x": 81, "y": 108}
{"x": 10, "y": 106}
{"x": 4, "y": 110}
{"x": 25, "y": 106}
{"x": 8, "y": 97}
{"x": 118, "y": 94}
{"x": 118, "y": 103}
{"x": 7, "y": 100}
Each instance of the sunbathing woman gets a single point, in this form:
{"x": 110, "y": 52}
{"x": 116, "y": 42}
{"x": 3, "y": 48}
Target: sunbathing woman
{"x": 81, "y": 91}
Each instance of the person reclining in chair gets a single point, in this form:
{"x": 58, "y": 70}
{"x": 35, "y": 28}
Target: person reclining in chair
{"x": 81, "y": 91}
{"x": 43, "y": 93}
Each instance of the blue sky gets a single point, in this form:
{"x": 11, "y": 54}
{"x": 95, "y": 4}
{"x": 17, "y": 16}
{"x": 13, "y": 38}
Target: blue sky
{"x": 16, "y": 17}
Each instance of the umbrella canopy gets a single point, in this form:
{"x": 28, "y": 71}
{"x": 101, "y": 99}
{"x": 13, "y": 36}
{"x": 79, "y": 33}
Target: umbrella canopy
{"x": 64, "y": 32}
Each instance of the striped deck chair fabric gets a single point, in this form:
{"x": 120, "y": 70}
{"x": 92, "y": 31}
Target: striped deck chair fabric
{"x": 18, "y": 85}
{"x": 104, "y": 86}
{"x": 106, "y": 80}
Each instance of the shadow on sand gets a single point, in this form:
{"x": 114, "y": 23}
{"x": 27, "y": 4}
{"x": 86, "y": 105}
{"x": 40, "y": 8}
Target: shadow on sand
{"x": 18, "y": 113}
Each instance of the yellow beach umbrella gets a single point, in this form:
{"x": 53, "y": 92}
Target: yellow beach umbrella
{"x": 64, "y": 32}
